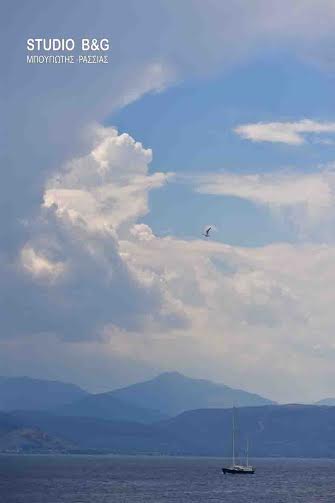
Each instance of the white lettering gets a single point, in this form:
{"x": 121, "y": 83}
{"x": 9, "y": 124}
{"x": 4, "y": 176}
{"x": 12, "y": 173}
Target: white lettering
{"x": 85, "y": 44}
{"x": 30, "y": 44}
{"x": 104, "y": 44}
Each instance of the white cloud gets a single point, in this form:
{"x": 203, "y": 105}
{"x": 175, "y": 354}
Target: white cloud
{"x": 307, "y": 197}
{"x": 39, "y": 266}
{"x": 154, "y": 77}
{"x": 142, "y": 232}
{"x": 256, "y": 312}
{"x": 109, "y": 186}
{"x": 74, "y": 274}
{"x": 291, "y": 133}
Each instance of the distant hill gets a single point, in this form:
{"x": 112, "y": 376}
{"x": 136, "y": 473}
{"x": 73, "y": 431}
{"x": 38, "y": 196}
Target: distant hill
{"x": 27, "y": 393}
{"x": 273, "y": 431}
{"x": 107, "y": 406}
{"x": 33, "y": 440}
{"x": 326, "y": 401}
{"x": 173, "y": 393}
{"x": 15, "y": 437}
{"x": 94, "y": 434}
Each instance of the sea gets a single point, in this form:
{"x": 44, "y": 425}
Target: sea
{"x": 151, "y": 479}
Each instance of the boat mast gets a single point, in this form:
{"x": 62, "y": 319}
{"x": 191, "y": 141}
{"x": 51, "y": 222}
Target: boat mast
{"x": 233, "y": 436}
{"x": 247, "y": 451}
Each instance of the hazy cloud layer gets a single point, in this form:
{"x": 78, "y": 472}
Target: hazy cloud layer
{"x": 306, "y": 199}
{"x": 265, "y": 313}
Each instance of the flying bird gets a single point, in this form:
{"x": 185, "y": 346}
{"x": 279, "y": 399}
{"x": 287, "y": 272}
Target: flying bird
{"x": 206, "y": 234}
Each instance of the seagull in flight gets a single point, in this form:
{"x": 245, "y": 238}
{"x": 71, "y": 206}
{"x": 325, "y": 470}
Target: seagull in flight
{"x": 206, "y": 233}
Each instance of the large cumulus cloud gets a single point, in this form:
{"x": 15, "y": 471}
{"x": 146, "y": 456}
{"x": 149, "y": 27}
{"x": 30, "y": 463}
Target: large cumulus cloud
{"x": 70, "y": 277}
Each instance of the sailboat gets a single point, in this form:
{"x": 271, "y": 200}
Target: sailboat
{"x": 234, "y": 467}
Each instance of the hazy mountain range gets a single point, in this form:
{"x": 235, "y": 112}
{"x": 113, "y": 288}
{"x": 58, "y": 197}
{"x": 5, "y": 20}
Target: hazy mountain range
{"x": 173, "y": 393}
{"x": 170, "y": 414}
{"x": 27, "y": 393}
{"x": 272, "y": 431}
{"x": 166, "y": 395}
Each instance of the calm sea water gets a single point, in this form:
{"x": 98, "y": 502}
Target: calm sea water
{"x": 110, "y": 479}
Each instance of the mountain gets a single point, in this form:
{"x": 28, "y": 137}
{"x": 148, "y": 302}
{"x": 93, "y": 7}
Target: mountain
{"x": 27, "y": 393}
{"x": 91, "y": 434}
{"x": 107, "y": 406}
{"x": 173, "y": 393}
{"x": 326, "y": 401}
{"x": 272, "y": 431}
{"x": 164, "y": 396}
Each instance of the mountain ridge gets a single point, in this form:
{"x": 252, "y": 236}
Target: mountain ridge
{"x": 173, "y": 393}
{"x": 30, "y": 393}
{"x": 165, "y": 395}
{"x": 272, "y": 430}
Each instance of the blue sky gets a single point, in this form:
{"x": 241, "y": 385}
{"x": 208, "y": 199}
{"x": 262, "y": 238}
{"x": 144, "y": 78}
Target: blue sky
{"x": 190, "y": 130}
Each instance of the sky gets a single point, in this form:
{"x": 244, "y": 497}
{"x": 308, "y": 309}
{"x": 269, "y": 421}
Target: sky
{"x": 209, "y": 113}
